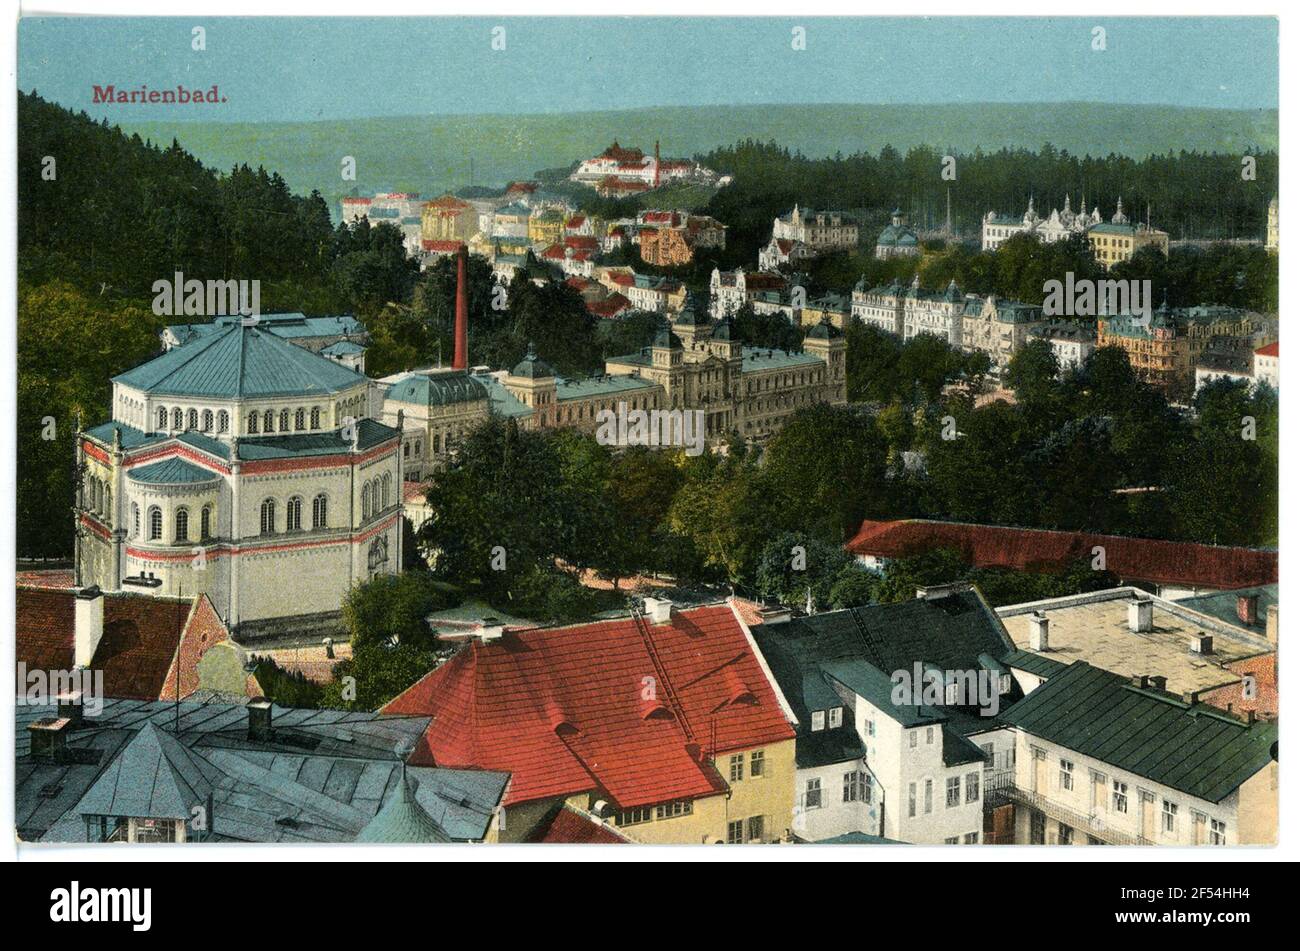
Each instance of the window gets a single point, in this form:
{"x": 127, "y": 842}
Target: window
{"x": 736, "y": 832}
{"x": 268, "y": 516}
{"x": 818, "y": 720}
{"x": 293, "y": 515}
{"x": 754, "y": 829}
{"x": 911, "y": 739}
{"x": 871, "y": 728}
{"x": 223, "y": 422}
{"x": 1064, "y": 834}
{"x": 365, "y": 501}
{"x": 252, "y": 422}
{"x": 972, "y": 787}
{"x": 207, "y": 420}
{"x": 387, "y": 489}
{"x": 182, "y": 525}
{"x": 268, "y": 421}
{"x": 835, "y": 717}
{"x": 671, "y": 810}
{"x": 953, "y": 791}
{"x": 929, "y": 736}
{"x": 1169, "y": 817}
{"x": 192, "y": 419}
{"x": 971, "y": 838}
{"x": 135, "y": 520}
{"x": 155, "y": 523}
{"x": 950, "y": 840}
{"x": 378, "y": 556}
{"x": 205, "y": 523}
{"x": 162, "y": 417}
{"x": 284, "y": 420}
{"x": 929, "y": 796}
{"x": 911, "y": 800}
{"x": 812, "y": 795}
{"x": 1067, "y": 775}
{"x": 855, "y": 786}
{"x": 1037, "y": 828}
{"x": 319, "y": 511}
{"x": 632, "y": 816}
{"x": 300, "y": 419}
{"x": 987, "y": 750}
{"x": 1218, "y": 832}
{"x": 736, "y": 767}
{"x": 756, "y": 763}
{"x": 178, "y": 419}
{"x": 315, "y": 417}
{"x": 1119, "y": 796}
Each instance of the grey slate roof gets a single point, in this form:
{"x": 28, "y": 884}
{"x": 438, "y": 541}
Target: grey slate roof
{"x": 282, "y": 446}
{"x": 437, "y": 389}
{"x": 1195, "y": 749}
{"x": 1223, "y": 605}
{"x": 173, "y": 471}
{"x": 240, "y": 362}
{"x": 321, "y": 777}
{"x": 291, "y": 326}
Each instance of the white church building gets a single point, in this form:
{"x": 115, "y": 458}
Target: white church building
{"x": 246, "y": 468}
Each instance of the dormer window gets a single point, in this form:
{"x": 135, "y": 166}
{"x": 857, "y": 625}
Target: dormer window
{"x": 818, "y": 720}
{"x": 835, "y": 717}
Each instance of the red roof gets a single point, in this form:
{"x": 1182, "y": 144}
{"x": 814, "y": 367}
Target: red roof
{"x": 138, "y": 647}
{"x": 611, "y": 306}
{"x": 639, "y": 727}
{"x": 446, "y": 246}
{"x": 1268, "y": 351}
{"x": 581, "y": 241}
{"x": 1133, "y": 559}
{"x": 576, "y": 221}
{"x": 553, "y": 252}
{"x": 613, "y": 183}
{"x": 575, "y": 828}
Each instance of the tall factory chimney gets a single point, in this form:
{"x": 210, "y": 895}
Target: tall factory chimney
{"x": 461, "y": 359}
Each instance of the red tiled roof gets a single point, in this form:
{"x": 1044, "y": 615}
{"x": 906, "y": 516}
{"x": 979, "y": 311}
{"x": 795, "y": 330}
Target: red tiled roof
{"x": 55, "y": 578}
{"x": 576, "y": 221}
{"x": 581, "y": 242}
{"x": 621, "y": 154}
{"x": 570, "y": 826}
{"x": 448, "y": 202}
{"x": 535, "y": 705}
{"x": 138, "y": 649}
{"x": 554, "y": 252}
{"x": 611, "y": 306}
{"x": 1268, "y": 351}
{"x": 449, "y": 245}
{"x": 1133, "y": 559}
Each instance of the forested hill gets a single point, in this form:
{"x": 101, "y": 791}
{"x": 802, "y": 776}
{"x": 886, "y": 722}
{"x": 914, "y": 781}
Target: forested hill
{"x": 115, "y": 212}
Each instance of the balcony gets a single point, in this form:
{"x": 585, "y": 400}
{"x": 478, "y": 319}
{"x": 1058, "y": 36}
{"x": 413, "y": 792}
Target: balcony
{"x": 1000, "y": 789}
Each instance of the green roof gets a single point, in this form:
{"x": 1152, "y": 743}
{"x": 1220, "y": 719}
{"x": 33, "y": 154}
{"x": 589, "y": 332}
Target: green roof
{"x": 173, "y": 471}
{"x": 437, "y": 389}
{"x": 289, "y": 326}
{"x": 402, "y": 819}
{"x": 756, "y": 360}
{"x": 1195, "y": 749}
{"x": 369, "y": 434}
{"x": 240, "y": 362}
{"x": 599, "y": 386}
{"x": 1032, "y": 662}
{"x": 1223, "y": 605}
{"x": 532, "y": 366}
{"x": 503, "y": 402}
{"x": 154, "y": 776}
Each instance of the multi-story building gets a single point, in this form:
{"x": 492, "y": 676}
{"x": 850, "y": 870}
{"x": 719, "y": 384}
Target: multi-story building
{"x": 779, "y": 252}
{"x": 510, "y": 222}
{"x": 731, "y": 291}
{"x": 747, "y": 392}
{"x": 896, "y": 240}
{"x": 1271, "y": 232}
{"x": 998, "y": 327}
{"x": 659, "y": 295}
{"x": 881, "y": 306}
{"x": 937, "y": 314}
{"x": 834, "y": 308}
{"x": 1267, "y": 369}
{"x": 1059, "y": 225}
{"x": 1214, "y": 365}
{"x": 1072, "y": 343}
{"x": 675, "y": 240}
{"x": 676, "y": 736}
{"x": 546, "y": 226}
{"x": 448, "y": 218}
{"x": 819, "y": 231}
{"x": 232, "y": 462}
{"x": 1120, "y": 239}
{"x": 1157, "y": 347}
{"x": 402, "y": 210}
{"x": 1107, "y": 759}
{"x": 635, "y": 168}
{"x": 907, "y": 766}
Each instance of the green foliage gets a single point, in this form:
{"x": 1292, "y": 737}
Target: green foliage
{"x": 393, "y": 607}
{"x": 287, "y": 688}
{"x": 794, "y": 564}
{"x": 376, "y": 674}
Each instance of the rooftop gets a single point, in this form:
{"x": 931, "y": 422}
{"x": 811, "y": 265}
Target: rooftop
{"x": 1188, "y": 747}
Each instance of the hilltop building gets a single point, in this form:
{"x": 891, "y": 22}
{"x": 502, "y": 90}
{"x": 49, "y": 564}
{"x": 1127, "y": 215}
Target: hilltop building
{"x": 818, "y": 231}
{"x": 1059, "y": 225}
{"x": 632, "y": 169}
{"x": 897, "y": 240}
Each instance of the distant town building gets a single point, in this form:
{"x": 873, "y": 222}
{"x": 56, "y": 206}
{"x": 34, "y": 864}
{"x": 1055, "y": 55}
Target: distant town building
{"x": 1266, "y": 365}
{"x": 897, "y": 240}
{"x": 819, "y": 231}
{"x": 623, "y": 167}
{"x": 732, "y": 290}
{"x": 1071, "y": 342}
{"x": 402, "y": 210}
{"x": 1059, "y": 225}
{"x": 448, "y": 218}
{"x": 1271, "y": 233}
{"x": 998, "y": 327}
{"x": 673, "y": 239}
{"x": 779, "y": 252}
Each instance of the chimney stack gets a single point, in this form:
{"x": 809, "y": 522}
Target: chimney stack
{"x": 49, "y": 739}
{"x": 461, "y": 358}
{"x": 89, "y": 629}
{"x": 1158, "y": 681}
{"x": 1270, "y": 624}
{"x": 659, "y": 610}
{"x": 1139, "y": 615}
{"x": 1201, "y": 644}
{"x": 69, "y": 706}
{"x": 1248, "y": 609}
{"x": 1038, "y": 625}
{"x": 259, "y": 719}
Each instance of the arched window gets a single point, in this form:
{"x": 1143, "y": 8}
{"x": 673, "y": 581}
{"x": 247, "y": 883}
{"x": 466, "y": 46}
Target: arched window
{"x": 205, "y": 523}
{"x": 377, "y": 558}
{"x": 192, "y": 419}
{"x": 417, "y": 449}
{"x": 268, "y": 516}
{"x": 268, "y": 421}
{"x": 252, "y": 421}
{"x": 155, "y": 523}
{"x": 108, "y": 505}
{"x": 365, "y": 501}
{"x": 293, "y": 515}
{"x": 284, "y": 420}
{"x": 182, "y": 525}
{"x": 319, "y": 511}
{"x": 135, "y": 520}
{"x": 207, "y": 420}
{"x": 388, "y": 486}
{"x": 300, "y": 419}
{"x": 315, "y": 417}
{"x": 178, "y": 419}
{"x": 223, "y": 422}
{"x": 162, "y": 417}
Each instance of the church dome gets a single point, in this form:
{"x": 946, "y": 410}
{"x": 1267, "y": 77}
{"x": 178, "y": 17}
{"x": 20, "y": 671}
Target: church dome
{"x": 532, "y": 366}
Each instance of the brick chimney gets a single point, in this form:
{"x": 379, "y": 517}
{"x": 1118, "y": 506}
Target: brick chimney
{"x": 1248, "y": 609}
{"x": 89, "y": 629}
{"x": 461, "y": 358}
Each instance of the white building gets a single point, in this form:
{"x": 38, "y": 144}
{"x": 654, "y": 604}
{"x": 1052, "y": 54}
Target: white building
{"x": 783, "y": 251}
{"x": 936, "y": 314}
{"x": 1267, "y": 369}
{"x": 1057, "y": 226}
{"x": 731, "y": 291}
{"x": 818, "y": 231}
{"x": 1072, "y": 343}
{"x": 233, "y": 464}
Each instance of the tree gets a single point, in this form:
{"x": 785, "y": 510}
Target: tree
{"x": 794, "y": 564}
{"x": 390, "y": 609}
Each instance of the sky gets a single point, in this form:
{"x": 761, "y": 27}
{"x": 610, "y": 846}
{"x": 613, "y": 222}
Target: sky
{"x": 282, "y": 69}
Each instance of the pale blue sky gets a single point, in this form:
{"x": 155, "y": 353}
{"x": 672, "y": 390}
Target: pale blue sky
{"x": 285, "y": 69}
